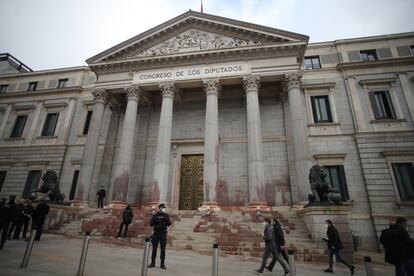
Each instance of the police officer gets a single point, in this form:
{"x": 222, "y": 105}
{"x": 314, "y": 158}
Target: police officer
{"x": 101, "y": 194}
{"x": 5, "y": 218}
{"x": 28, "y": 212}
{"x": 127, "y": 216}
{"x": 160, "y": 221}
{"x": 39, "y": 217}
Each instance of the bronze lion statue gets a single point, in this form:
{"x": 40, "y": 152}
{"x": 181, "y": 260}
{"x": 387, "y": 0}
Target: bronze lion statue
{"x": 50, "y": 187}
{"x": 321, "y": 190}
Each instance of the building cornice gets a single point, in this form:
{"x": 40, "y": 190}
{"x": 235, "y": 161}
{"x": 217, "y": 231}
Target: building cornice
{"x": 45, "y": 72}
{"x": 42, "y": 92}
{"x": 375, "y": 63}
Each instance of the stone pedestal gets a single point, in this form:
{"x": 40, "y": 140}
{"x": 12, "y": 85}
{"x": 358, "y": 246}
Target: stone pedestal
{"x": 315, "y": 217}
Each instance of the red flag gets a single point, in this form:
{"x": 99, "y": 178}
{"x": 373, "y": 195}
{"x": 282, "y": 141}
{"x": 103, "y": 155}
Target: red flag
{"x": 201, "y": 6}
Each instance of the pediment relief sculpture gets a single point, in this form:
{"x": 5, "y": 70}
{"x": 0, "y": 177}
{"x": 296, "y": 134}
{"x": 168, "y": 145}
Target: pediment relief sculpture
{"x": 192, "y": 40}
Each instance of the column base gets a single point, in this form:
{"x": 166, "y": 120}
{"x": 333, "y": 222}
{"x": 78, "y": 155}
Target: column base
{"x": 116, "y": 204}
{"x": 259, "y": 206}
{"x": 79, "y": 204}
{"x": 209, "y": 206}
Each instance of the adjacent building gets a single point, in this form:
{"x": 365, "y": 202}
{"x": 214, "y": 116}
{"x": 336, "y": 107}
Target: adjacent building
{"x": 206, "y": 110}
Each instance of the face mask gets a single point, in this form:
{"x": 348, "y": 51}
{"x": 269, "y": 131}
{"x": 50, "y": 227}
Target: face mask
{"x": 163, "y": 210}
{"x": 326, "y": 225}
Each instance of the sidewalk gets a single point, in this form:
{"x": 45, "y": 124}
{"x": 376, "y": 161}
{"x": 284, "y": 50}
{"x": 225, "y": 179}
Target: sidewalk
{"x": 58, "y": 255}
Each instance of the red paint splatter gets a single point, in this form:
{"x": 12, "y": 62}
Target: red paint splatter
{"x": 120, "y": 190}
{"x": 155, "y": 191}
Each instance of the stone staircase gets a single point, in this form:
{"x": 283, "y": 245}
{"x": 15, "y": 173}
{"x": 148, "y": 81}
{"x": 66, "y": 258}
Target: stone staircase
{"x": 238, "y": 230}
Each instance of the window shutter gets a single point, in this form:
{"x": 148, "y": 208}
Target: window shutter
{"x": 384, "y": 53}
{"x": 391, "y": 107}
{"x": 374, "y": 105}
{"x": 404, "y": 51}
{"x": 354, "y": 56}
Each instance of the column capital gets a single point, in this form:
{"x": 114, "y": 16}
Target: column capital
{"x": 133, "y": 92}
{"x": 292, "y": 80}
{"x": 251, "y": 82}
{"x": 212, "y": 86}
{"x": 167, "y": 89}
{"x": 100, "y": 95}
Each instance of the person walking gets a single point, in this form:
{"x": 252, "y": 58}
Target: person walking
{"x": 101, "y": 194}
{"x": 19, "y": 221}
{"x": 28, "y": 212}
{"x": 400, "y": 248}
{"x": 39, "y": 217}
{"x": 5, "y": 219}
{"x": 270, "y": 248}
{"x": 127, "y": 216}
{"x": 280, "y": 243}
{"x": 160, "y": 221}
{"x": 14, "y": 213}
{"x": 334, "y": 247}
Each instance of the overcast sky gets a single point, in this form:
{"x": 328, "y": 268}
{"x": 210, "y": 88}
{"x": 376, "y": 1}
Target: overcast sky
{"x": 47, "y": 34}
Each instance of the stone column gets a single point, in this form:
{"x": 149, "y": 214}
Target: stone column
{"x": 91, "y": 146}
{"x": 123, "y": 166}
{"x": 35, "y": 122}
{"x": 212, "y": 88}
{"x": 4, "y": 120}
{"x": 254, "y": 142}
{"x": 162, "y": 155}
{"x": 299, "y": 137}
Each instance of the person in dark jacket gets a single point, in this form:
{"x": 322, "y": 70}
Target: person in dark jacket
{"x": 39, "y": 217}
{"x": 160, "y": 221}
{"x": 280, "y": 243}
{"x": 270, "y": 248}
{"x": 5, "y": 218}
{"x": 401, "y": 248}
{"x": 28, "y": 212}
{"x": 14, "y": 214}
{"x": 385, "y": 239}
{"x": 101, "y": 194}
{"x": 127, "y": 216}
{"x": 19, "y": 221}
{"x": 334, "y": 247}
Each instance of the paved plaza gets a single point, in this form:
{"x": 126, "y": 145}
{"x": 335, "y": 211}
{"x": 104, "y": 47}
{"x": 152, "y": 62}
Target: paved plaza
{"x": 59, "y": 255}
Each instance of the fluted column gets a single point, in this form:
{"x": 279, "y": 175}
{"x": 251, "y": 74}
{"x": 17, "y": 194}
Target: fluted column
{"x": 91, "y": 147}
{"x": 123, "y": 166}
{"x": 162, "y": 155}
{"x": 254, "y": 142}
{"x": 299, "y": 137}
{"x": 212, "y": 89}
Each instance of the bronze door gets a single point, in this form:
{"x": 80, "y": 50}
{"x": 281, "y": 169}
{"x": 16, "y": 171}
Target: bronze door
{"x": 191, "y": 182}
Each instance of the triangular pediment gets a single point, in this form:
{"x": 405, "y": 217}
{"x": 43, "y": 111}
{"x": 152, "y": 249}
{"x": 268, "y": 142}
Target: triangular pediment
{"x": 194, "y": 32}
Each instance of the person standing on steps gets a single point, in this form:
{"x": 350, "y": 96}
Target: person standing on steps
{"x": 334, "y": 247}
{"x": 280, "y": 245}
{"x": 160, "y": 221}
{"x": 270, "y": 248}
{"x": 101, "y": 194}
{"x": 127, "y": 216}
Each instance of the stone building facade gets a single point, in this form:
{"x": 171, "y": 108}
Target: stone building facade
{"x": 205, "y": 110}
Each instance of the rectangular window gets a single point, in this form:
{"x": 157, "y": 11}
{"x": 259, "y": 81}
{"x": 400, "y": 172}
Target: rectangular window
{"x": 62, "y": 83}
{"x": 369, "y": 55}
{"x": 32, "y": 182}
{"x": 336, "y": 178}
{"x": 321, "y": 109}
{"x": 3, "y": 88}
{"x": 50, "y": 124}
{"x": 19, "y": 126}
{"x": 404, "y": 176}
{"x": 74, "y": 184}
{"x": 32, "y": 86}
{"x": 2, "y": 179}
{"x": 312, "y": 62}
{"x": 382, "y": 105}
{"x": 87, "y": 122}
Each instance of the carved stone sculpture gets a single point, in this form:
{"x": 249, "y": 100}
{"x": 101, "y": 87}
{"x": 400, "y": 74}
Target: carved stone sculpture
{"x": 193, "y": 40}
{"x": 321, "y": 190}
{"x": 50, "y": 187}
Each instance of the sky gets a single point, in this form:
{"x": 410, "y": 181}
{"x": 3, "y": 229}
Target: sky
{"x": 47, "y": 34}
